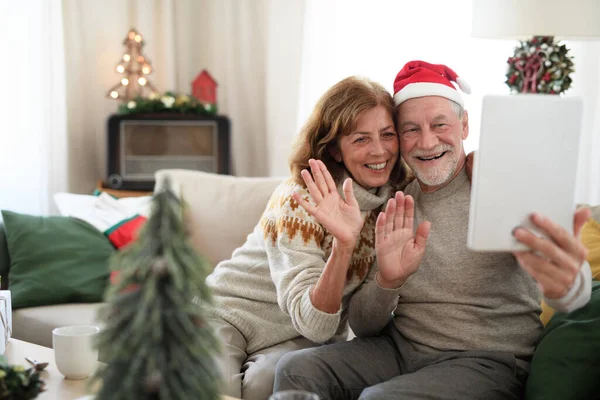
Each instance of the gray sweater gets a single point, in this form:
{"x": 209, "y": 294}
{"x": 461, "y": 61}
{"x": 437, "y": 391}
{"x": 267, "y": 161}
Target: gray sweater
{"x": 458, "y": 299}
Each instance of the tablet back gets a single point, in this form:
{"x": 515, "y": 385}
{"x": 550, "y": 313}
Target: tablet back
{"x": 526, "y": 162}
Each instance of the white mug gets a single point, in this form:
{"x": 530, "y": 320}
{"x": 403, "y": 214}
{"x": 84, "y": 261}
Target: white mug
{"x": 294, "y": 395}
{"x": 74, "y": 351}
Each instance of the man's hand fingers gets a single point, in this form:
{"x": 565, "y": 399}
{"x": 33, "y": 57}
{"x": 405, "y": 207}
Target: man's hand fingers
{"x": 422, "y": 234}
{"x": 399, "y": 217}
{"x": 390, "y": 213}
{"x": 409, "y": 212}
{"x": 380, "y": 229}
{"x": 581, "y": 216}
{"x": 554, "y": 282}
{"x": 567, "y": 242}
{"x": 550, "y": 250}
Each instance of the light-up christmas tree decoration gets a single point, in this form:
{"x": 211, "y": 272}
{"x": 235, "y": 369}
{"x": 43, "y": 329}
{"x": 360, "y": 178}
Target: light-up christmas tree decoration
{"x": 134, "y": 68}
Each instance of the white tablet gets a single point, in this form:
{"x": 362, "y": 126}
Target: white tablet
{"x": 526, "y": 162}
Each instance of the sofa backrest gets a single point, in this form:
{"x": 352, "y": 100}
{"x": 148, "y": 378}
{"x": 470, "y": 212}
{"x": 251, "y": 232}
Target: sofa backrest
{"x": 223, "y": 209}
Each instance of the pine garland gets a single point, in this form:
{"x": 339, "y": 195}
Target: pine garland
{"x": 540, "y": 65}
{"x": 156, "y": 340}
{"x": 167, "y": 103}
{"x": 18, "y": 383}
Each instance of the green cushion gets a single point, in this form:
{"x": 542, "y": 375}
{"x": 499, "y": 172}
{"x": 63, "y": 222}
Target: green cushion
{"x": 55, "y": 260}
{"x": 4, "y": 259}
{"x": 566, "y": 363}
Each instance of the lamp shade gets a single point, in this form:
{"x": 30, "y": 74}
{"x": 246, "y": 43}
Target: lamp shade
{"x": 517, "y": 19}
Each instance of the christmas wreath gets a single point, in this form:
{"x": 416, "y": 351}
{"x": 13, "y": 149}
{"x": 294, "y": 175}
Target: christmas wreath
{"x": 540, "y": 65}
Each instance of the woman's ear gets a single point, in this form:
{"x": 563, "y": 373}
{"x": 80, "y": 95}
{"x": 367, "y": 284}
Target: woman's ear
{"x": 334, "y": 151}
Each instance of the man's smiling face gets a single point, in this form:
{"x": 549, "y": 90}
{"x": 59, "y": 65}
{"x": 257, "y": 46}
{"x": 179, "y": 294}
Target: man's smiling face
{"x": 431, "y": 135}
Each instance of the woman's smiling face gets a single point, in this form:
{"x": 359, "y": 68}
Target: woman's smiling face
{"x": 370, "y": 151}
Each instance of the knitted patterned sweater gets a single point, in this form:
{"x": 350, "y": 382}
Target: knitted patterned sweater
{"x": 263, "y": 290}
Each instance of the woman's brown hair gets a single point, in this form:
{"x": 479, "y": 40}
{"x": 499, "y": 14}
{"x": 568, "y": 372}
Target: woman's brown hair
{"x": 335, "y": 114}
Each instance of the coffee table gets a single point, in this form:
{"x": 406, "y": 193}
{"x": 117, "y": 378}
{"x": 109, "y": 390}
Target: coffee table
{"x": 57, "y": 387}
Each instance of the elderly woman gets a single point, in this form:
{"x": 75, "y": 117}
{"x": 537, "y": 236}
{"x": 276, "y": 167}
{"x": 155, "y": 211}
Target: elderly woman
{"x": 289, "y": 285}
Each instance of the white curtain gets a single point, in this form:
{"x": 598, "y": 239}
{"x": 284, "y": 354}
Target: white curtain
{"x": 587, "y": 85}
{"x": 245, "y": 45}
{"x": 271, "y": 58}
{"x": 33, "y": 135}
{"x": 376, "y": 38}
{"x": 54, "y": 107}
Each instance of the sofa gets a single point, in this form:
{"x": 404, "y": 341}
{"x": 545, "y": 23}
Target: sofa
{"x": 222, "y": 211}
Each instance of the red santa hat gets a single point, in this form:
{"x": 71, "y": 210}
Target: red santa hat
{"x": 420, "y": 79}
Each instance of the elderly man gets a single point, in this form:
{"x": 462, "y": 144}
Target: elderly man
{"x": 465, "y": 324}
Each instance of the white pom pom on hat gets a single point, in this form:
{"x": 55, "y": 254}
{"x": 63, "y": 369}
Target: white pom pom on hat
{"x": 420, "y": 79}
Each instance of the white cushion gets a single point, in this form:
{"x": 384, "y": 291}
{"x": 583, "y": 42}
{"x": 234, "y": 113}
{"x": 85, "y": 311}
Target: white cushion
{"x": 71, "y": 204}
{"x": 223, "y": 209}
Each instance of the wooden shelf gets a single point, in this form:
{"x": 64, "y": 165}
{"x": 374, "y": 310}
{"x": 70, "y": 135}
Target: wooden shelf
{"x": 120, "y": 193}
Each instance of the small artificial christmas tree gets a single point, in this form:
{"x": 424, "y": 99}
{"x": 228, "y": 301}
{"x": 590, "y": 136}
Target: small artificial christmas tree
{"x": 156, "y": 341}
{"x": 134, "y": 67}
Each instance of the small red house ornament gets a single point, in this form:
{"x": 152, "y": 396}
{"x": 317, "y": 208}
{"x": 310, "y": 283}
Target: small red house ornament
{"x": 204, "y": 88}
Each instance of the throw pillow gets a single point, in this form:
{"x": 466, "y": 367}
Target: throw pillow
{"x": 70, "y": 204}
{"x": 126, "y": 231}
{"x": 566, "y": 363}
{"x": 590, "y": 237}
{"x": 4, "y": 258}
{"x": 119, "y": 219}
{"x": 55, "y": 260}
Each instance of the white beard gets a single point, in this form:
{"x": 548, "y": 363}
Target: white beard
{"x": 434, "y": 176}
{"x": 439, "y": 175}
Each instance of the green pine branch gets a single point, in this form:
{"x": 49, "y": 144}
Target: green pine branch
{"x": 18, "y": 383}
{"x": 167, "y": 103}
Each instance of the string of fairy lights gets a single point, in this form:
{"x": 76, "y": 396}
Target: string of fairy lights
{"x": 134, "y": 67}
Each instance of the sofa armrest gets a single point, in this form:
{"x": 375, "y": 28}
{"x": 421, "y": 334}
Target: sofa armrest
{"x": 4, "y": 259}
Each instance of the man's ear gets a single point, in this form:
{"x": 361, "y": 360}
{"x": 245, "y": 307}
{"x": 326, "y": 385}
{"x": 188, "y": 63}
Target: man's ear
{"x": 465, "y": 125}
{"x": 335, "y": 152}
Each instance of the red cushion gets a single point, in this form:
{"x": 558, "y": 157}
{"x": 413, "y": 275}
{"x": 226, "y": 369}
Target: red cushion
{"x": 125, "y": 231}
